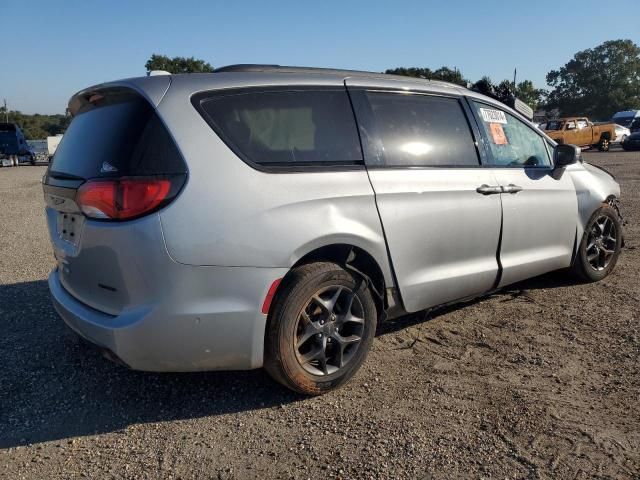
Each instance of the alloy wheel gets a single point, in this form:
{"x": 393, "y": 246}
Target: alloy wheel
{"x": 601, "y": 243}
{"x": 329, "y": 330}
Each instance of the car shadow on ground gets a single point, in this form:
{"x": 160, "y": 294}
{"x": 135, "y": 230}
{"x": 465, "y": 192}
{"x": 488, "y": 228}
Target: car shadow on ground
{"x": 54, "y": 386}
{"x": 510, "y": 293}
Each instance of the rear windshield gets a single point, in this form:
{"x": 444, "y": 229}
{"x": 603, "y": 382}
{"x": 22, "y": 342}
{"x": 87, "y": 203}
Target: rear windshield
{"x": 117, "y": 134}
{"x": 287, "y": 128}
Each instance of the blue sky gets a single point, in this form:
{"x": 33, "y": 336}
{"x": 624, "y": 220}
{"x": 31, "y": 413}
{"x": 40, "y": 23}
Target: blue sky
{"x": 51, "y": 49}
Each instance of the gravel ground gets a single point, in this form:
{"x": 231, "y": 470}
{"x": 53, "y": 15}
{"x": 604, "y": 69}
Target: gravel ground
{"x": 538, "y": 381}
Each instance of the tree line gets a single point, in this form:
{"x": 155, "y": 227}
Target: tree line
{"x": 36, "y": 126}
{"x": 596, "y": 82}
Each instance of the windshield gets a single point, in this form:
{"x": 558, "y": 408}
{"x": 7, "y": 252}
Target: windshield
{"x": 624, "y": 121}
{"x": 8, "y": 142}
{"x": 554, "y": 125}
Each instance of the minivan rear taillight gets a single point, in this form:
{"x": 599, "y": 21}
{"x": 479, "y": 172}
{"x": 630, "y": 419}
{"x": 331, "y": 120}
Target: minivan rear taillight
{"x": 126, "y": 198}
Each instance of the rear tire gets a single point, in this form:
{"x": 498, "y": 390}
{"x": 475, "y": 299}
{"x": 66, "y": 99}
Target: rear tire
{"x": 320, "y": 328}
{"x": 604, "y": 144}
{"x": 600, "y": 247}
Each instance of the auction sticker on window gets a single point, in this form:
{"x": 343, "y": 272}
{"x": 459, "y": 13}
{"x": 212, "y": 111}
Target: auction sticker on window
{"x": 497, "y": 134}
{"x": 490, "y": 115}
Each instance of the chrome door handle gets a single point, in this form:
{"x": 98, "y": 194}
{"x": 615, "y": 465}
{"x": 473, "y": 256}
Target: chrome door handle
{"x": 511, "y": 188}
{"x": 485, "y": 189}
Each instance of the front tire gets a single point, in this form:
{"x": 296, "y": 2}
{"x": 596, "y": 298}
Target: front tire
{"x": 604, "y": 145}
{"x": 320, "y": 328}
{"x": 600, "y": 246}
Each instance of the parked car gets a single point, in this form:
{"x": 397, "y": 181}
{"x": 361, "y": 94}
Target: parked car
{"x": 580, "y": 131}
{"x": 273, "y": 216}
{"x": 621, "y": 134}
{"x": 635, "y": 125}
{"x": 632, "y": 142}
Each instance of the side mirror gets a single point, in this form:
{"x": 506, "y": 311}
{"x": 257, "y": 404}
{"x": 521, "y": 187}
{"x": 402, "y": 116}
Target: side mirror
{"x": 564, "y": 155}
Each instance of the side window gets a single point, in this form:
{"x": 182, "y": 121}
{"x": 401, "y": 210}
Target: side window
{"x": 286, "y": 128}
{"x": 511, "y": 141}
{"x": 582, "y": 124}
{"x": 408, "y": 130}
{"x": 570, "y": 125}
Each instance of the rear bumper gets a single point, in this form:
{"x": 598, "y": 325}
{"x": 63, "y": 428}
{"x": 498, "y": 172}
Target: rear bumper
{"x": 210, "y": 320}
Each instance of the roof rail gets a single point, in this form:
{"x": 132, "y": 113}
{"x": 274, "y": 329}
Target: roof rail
{"x": 250, "y": 67}
{"x": 246, "y": 67}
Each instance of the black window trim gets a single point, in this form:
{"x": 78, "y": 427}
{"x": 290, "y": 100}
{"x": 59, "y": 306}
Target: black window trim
{"x": 475, "y": 133}
{"x": 197, "y": 99}
{"x": 485, "y": 140}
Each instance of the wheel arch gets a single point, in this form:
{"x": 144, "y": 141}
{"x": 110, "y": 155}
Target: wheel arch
{"x": 587, "y": 211}
{"x": 355, "y": 259}
{"x": 605, "y": 136}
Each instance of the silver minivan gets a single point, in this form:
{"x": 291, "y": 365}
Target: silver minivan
{"x": 273, "y": 216}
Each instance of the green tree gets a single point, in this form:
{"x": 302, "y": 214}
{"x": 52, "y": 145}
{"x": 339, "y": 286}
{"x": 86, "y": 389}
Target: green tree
{"x": 417, "y": 72}
{"x": 485, "y": 86}
{"x": 504, "y": 91}
{"x": 37, "y": 126}
{"x": 534, "y": 97}
{"x": 445, "y": 74}
{"x": 177, "y": 64}
{"x": 598, "y": 81}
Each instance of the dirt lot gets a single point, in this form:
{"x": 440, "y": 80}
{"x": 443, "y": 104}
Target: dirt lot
{"x": 539, "y": 381}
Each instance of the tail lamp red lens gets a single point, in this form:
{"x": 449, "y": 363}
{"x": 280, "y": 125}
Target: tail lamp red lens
{"x": 123, "y": 198}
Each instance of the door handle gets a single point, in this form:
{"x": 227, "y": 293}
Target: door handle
{"x": 511, "y": 188}
{"x": 485, "y": 189}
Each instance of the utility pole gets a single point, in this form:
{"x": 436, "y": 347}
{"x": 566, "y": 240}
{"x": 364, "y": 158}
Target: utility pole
{"x": 6, "y": 112}
{"x": 515, "y": 71}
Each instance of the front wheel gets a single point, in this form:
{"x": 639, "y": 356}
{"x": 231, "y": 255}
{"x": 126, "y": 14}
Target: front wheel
{"x": 600, "y": 246}
{"x": 320, "y": 329}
